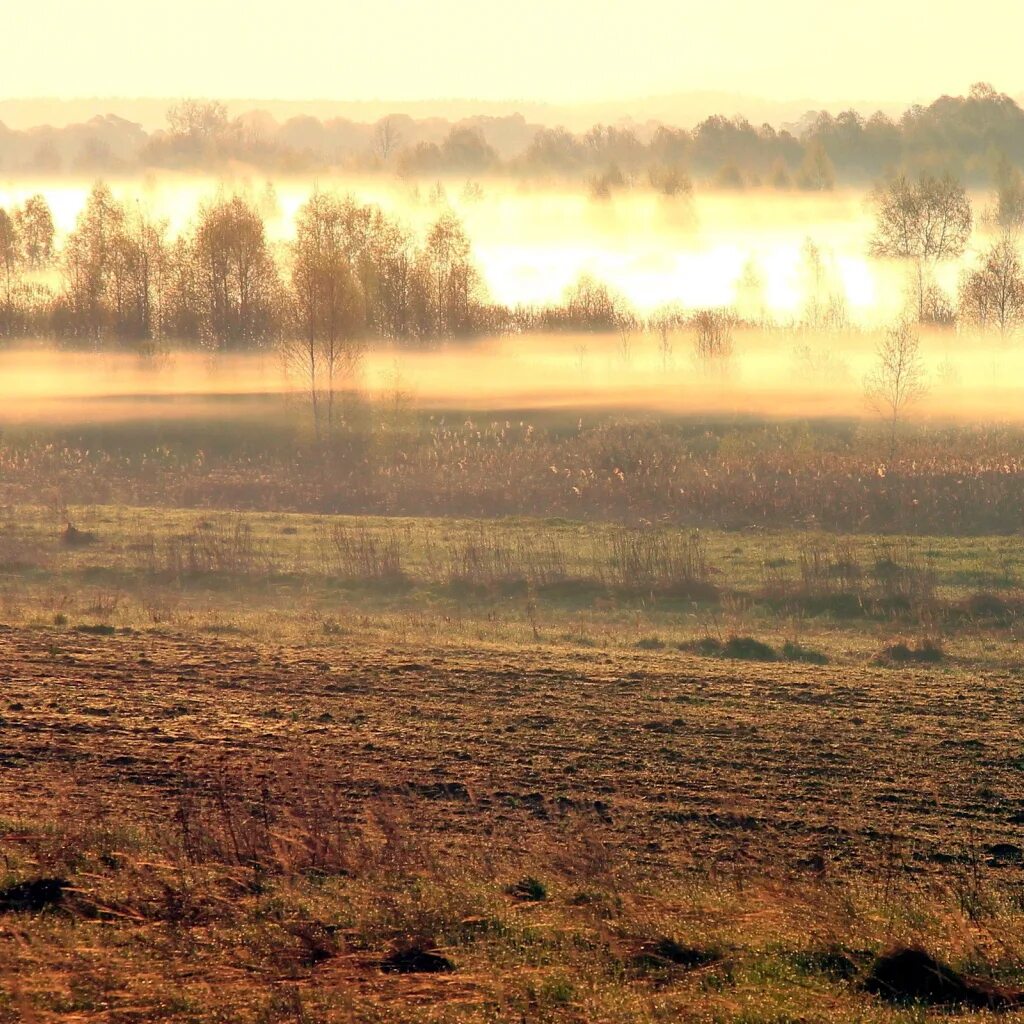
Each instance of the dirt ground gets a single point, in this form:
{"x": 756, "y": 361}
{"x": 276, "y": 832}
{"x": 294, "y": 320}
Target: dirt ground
{"x": 678, "y": 759}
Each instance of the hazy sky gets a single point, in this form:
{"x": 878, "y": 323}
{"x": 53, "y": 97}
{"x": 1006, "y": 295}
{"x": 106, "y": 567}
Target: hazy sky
{"x": 560, "y": 50}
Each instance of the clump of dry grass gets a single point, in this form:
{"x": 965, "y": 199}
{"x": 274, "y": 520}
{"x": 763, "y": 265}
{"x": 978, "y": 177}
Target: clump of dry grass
{"x": 210, "y": 547}
{"x": 664, "y": 561}
{"x": 486, "y": 556}
{"x": 848, "y": 578}
{"x": 362, "y": 554}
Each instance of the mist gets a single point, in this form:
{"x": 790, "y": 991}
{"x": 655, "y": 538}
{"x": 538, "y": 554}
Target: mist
{"x": 777, "y": 374}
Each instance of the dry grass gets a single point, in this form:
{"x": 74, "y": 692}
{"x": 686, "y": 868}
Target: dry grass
{"x": 957, "y": 481}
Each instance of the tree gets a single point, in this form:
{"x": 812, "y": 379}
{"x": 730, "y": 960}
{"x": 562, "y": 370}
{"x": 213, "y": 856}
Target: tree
{"x": 450, "y": 280}
{"x": 712, "y": 337}
{"x": 897, "y": 380}
{"x": 9, "y": 266}
{"x": 198, "y": 119}
{"x": 327, "y": 300}
{"x": 666, "y": 321}
{"x": 182, "y": 315}
{"x": 466, "y": 150}
{"x": 992, "y": 294}
{"x": 1009, "y": 210}
{"x": 387, "y": 136}
{"x": 116, "y": 269}
{"x": 34, "y": 223}
{"x": 590, "y": 305}
{"x": 141, "y": 274}
{"x": 89, "y": 263}
{"x": 923, "y": 222}
{"x": 387, "y": 277}
{"x": 816, "y": 174}
{"x": 750, "y": 292}
{"x": 236, "y": 278}
{"x": 824, "y": 298}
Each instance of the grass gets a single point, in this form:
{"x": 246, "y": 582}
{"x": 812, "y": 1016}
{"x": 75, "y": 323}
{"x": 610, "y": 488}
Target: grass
{"x": 153, "y": 566}
{"x": 708, "y": 471}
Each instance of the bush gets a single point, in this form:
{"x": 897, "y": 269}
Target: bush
{"x": 529, "y": 889}
{"x": 793, "y": 651}
{"x": 650, "y": 643}
{"x": 746, "y": 648}
{"x": 928, "y": 652}
{"x": 741, "y": 648}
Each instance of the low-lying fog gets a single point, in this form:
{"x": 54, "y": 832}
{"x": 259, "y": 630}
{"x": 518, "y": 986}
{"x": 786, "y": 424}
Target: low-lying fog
{"x": 780, "y": 373}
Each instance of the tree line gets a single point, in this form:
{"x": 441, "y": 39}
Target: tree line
{"x": 353, "y": 273}
{"x": 350, "y": 272}
{"x": 963, "y": 135}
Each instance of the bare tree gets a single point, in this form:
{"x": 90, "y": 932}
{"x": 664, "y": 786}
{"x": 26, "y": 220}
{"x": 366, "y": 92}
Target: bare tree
{"x": 665, "y": 322}
{"x": 825, "y": 302}
{"x": 115, "y": 268}
{"x": 712, "y": 339}
{"x": 387, "y": 137}
{"x": 1008, "y": 213}
{"x": 897, "y": 380}
{"x": 90, "y": 263}
{"x": 626, "y": 346}
{"x": 992, "y": 294}
{"x": 327, "y": 301}
{"x": 237, "y": 282}
{"x": 750, "y": 292}
{"x": 141, "y": 262}
{"x": 923, "y": 222}
{"x": 450, "y": 280}
{"x": 591, "y": 305}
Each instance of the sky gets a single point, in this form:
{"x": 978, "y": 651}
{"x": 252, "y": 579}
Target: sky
{"x": 547, "y": 50}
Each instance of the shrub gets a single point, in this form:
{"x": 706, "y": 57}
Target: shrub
{"x": 650, "y": 643}
{"x": 741, "y": 648}
{"x": 793, "y": 651}
{"x": 927, "y": 652}
{"x": 747, "y": 648}
{"x": 528, "y": 889}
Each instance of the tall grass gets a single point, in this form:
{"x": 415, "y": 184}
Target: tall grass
{"x": 668, "y": 561}
{"x": 844, "y": 576}
{"x": 954, "y": 481}
{"x": 356, "y": 553}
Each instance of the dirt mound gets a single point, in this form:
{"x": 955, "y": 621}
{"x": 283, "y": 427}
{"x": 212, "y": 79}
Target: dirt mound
{"x": 72, "y": 537}
{"x": 32, "y": 896}
{"x": 667, "y": 952}
{"x": 908, "y": 975}
{"x": 416, "y": 960}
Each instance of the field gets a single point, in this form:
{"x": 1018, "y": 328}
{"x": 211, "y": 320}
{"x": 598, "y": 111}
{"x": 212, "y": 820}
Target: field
{"x": 284, "y": 767}
{"x": 486, "y": 561}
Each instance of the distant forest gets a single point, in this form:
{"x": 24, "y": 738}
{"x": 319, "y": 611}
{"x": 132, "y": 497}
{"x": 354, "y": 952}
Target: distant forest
{"x": 967, "y": 136}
